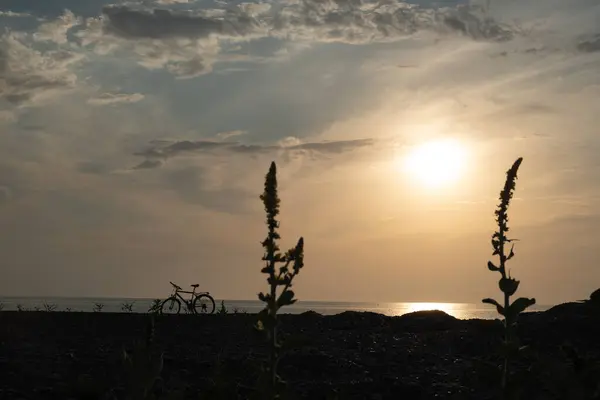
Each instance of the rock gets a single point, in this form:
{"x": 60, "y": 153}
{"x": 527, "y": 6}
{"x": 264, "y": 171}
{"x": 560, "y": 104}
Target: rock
{"x": 424, "y": 321}
{"x": 355, "y": 320}
{"x": 595, "y": 297}
{"x": 565, "y": 309}
{"x": 311, "y": 314}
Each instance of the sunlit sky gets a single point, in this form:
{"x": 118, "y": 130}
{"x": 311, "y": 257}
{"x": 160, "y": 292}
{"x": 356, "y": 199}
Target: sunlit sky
{"x": 134, "y": 139}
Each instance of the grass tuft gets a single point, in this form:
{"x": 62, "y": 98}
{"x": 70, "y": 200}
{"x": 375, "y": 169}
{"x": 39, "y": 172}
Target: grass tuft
{"x": 155, "y": 306}
{"x": 222, "y": 308}
{"x": 127, "y": 306}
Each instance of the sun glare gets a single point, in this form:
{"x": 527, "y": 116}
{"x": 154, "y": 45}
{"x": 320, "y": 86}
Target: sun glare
{"x": 448, "y": 308}
{"x": 435, "y": 164}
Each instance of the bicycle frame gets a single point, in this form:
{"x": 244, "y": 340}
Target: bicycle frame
{"x": 189, "y": 303}
{"x": 193, "y": 293}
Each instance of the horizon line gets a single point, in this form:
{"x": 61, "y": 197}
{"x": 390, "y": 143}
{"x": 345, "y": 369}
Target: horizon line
{"x": 256, "y": 300}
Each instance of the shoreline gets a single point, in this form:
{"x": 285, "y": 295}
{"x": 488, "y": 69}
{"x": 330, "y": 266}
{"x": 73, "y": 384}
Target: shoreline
{"x": 459, "y": 310}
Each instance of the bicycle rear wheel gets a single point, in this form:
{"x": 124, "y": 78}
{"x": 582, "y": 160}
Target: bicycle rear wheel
{"x": 172, "y": 305}
{"x": 204, "y": 304}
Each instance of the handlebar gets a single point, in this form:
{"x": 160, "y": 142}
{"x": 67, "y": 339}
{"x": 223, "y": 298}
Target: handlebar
{"x": 180, "y": 289}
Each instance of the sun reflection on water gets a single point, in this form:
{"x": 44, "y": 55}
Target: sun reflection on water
{"x": 457, "y": 310}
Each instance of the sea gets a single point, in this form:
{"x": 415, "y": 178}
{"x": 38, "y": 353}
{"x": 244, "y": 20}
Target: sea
{"x": 80, "y": 304}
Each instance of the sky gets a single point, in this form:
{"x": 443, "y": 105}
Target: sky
{"x": 135, "y": 136}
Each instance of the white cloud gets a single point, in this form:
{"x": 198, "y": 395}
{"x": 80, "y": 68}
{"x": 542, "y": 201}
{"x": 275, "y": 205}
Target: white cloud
{"x": 14, "y": 14}
{"x": 56, "y": 31}
{"x": 183, "y": 57}
{"x": 174, "y": 1}
{"x": 230, "y": 134}
{"x": 115, "y": 98}
{"x": 289, "y": 141}
{"x": 30, "y": 76}
{"x": 188, "y": 43}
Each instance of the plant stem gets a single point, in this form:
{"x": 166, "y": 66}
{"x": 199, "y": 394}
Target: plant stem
{"x": 273, "y": 312}
{"x": 506, "y": 307}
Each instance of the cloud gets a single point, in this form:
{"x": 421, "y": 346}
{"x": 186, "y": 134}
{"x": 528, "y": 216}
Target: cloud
{"x": 336, "y": 147}
{"x": 183, "y": 146}
{"x": 230, "y": 134}
{"x": 122, "y": 34}
{"x": 589, "y": 45}
{"x": 163, "y": 24}
{"x": 115, "y": 98}
{"x": 371, "y": 21}
{"x": 56, "y": 31}
{"x": 14, "y": 14}
{"x": 156, "y": 154}
{"x": 149, "y": 164}
{"x": 188, "y": 43}
{"x": 353, "y": 22}
{"x": 29, "y": 76}
{"x": 174, "y": 1}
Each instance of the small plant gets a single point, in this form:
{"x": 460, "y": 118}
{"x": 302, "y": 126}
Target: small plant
{"x": 222, "y": 308}
{"x": 98, "y": 307}
{"x": 36, "y": 308}
{"x": 1, "y": 306}
{"x": 49, "y": 307}
{"x": 127, "y": 307}
{"x": 20, "y": 307}
{"x": 68, "y": 309}
{"x": 155, "y": 306}
{"x": 143, "y": 366}
{"x": 508, "y": 285}
{"x": 276, "y": 276}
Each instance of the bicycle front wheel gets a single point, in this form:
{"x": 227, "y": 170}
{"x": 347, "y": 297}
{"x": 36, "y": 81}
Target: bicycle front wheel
{"x": 204, "y": 304}
{"x": 172, "y": 305}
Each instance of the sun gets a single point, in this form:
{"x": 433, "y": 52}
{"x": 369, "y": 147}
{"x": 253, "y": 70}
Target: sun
{"x": 436, "y": 164}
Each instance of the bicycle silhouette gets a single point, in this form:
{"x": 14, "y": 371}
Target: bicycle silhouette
{"x": 199, "y": 303}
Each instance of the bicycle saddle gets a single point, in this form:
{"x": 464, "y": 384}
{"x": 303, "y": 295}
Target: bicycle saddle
{"x": 195, "y": 286}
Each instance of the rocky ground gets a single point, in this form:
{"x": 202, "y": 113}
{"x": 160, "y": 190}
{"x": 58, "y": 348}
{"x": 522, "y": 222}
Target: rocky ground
{"x": 424, "y": 355}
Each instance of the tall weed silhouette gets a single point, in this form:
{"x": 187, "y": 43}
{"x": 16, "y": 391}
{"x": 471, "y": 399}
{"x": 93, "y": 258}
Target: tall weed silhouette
{"x": 507, "y": 284}
{"x": 281, "y": 269}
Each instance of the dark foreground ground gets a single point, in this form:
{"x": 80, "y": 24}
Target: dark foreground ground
{"x": 426, "y": 355}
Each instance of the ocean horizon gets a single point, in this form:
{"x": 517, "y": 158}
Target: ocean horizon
{"x": 141, "y": 305}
